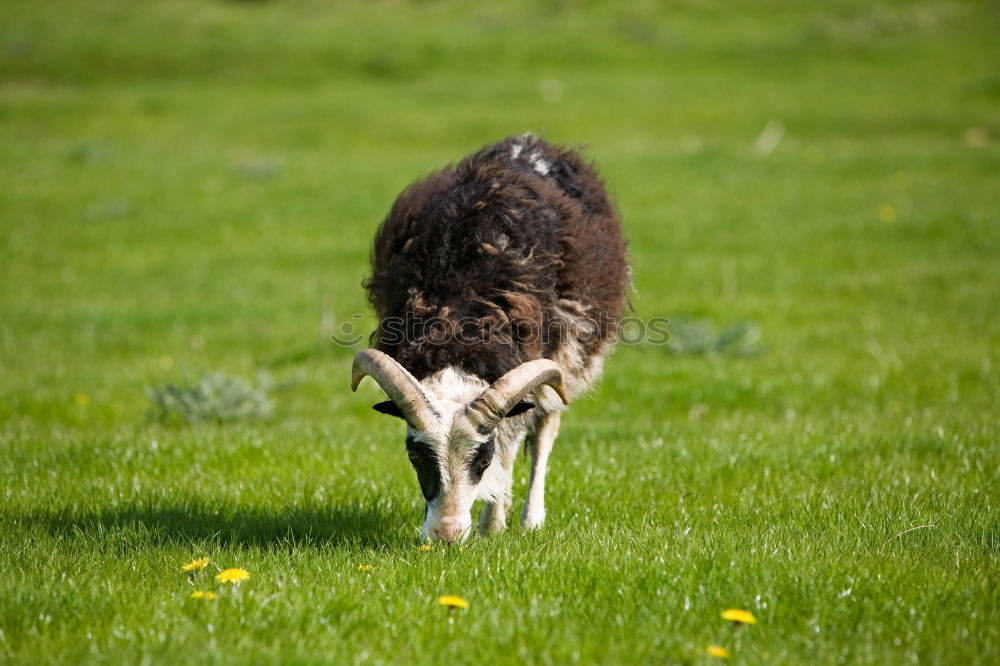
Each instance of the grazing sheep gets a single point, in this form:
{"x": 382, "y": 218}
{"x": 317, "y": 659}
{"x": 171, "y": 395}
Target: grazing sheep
{"x": 499, "y": 284}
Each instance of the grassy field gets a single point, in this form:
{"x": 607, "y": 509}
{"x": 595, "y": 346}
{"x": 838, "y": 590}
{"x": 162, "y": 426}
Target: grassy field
{"x": 191, "y": 187}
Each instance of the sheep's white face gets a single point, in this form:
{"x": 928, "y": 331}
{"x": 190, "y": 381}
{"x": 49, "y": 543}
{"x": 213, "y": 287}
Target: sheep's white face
{"x": 455, "y": 464}
{"x": 454, "y": 468}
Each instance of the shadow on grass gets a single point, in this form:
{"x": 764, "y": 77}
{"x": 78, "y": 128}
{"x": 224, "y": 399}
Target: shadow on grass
{"x": 349, "y": 525}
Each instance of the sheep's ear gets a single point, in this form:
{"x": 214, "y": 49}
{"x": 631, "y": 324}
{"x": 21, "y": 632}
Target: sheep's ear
{"x": 520, "y": 408}
{"x": 388, "y": 407}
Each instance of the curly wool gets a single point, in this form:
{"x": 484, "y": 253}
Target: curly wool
{"x": 476, "y": 266}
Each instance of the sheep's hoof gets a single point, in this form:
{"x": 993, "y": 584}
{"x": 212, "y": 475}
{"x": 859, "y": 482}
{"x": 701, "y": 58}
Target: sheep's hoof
{"x": 532, "y": 520}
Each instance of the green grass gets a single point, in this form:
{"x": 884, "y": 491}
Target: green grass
{"x": 191, "y": 187}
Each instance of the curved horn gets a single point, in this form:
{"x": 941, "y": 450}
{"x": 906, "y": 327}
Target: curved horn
{"x": 401, "y": 387}
{"x": 493, "y": 404}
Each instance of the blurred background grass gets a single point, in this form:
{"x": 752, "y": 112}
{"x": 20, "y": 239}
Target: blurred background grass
{"x": 215, "y": 170}
{"x": 192, "y": 187}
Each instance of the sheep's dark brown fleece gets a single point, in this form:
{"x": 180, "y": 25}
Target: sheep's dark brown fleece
{"x": 475, "y": 262}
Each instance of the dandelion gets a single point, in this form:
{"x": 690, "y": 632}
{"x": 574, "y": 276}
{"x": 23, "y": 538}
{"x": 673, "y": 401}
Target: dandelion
{"x": 208, "y": 595}
{"x": 165, "y": 362}
{"x": 426, "y": 547}
{"x": 739, "y": 616}
{"x": 234, "y": 576}
{"x": 717, "y": 651}
{"x": 196, "y": 565}
{"x": 365, "y": 567}
{"x": 81, "y": 399}
{"x": 453, "y": 602}
{"x": 887, "y": 213}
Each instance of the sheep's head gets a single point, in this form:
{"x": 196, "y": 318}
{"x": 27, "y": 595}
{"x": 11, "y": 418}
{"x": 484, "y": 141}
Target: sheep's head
{"x": 452, "y": 422}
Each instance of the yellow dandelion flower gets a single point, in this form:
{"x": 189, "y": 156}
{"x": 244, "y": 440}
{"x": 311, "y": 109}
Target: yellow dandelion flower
{"x": 426, "y": 547}
{"x": 365, "y": 567}
{"x": 234, "y": 576}
{"x": 203, "y": 594}
{"x": 166, "y": 362}
{"x": 717, "y": 651}
{"x": 739, "y": 616}
{"x": 196, "y": 565}
{"x": 887, "y": 213}
{"x": 81, "y": 399}
{"x": 453, "y": 602}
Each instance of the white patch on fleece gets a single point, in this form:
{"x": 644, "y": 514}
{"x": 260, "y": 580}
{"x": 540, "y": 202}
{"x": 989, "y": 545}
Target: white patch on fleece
{"x": 534, "y": 158}
{"x": 540, "y": 164}
{"x": 453, "y": 387}
{"x": 578, "y": 375}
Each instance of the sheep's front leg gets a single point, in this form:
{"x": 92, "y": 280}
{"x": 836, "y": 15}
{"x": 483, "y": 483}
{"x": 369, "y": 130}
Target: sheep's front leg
{"x": 493, "y": 517}
{"x": 539, "y": 446}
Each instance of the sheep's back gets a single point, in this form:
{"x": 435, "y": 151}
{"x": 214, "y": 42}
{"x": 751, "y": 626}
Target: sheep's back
{"x": 475, "y": 265}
